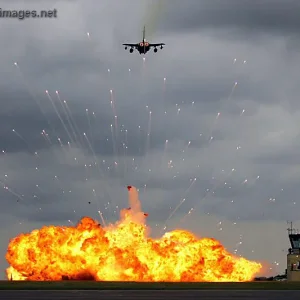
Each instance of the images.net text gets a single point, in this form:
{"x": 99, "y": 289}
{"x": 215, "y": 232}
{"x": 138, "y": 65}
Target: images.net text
{"x": 26, "y": 14}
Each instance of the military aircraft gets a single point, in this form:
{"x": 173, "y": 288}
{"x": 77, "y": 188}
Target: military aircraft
{"x": 144, "y": 46}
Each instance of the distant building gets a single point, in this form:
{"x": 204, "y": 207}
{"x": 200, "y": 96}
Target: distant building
{"x": 293, "y": 257}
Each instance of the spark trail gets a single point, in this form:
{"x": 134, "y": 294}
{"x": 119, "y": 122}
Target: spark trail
{"x": 180, "y": 203}
{"x": 164, "y": 154}
{"x": 59, "y": 116}
{"x": 34, "y": 97}
{"x": 90, "y": 126}
{"x": 99, "y": 211}
{"x": 98, "y": 166}
{"x": 115, "y": 129}
{"x": 208, "y": 193}
{"x": 10, "y": 190}
{"x": 73, "y": 121}
{"x": 45, "y": 135}
{"x": 23, "y": 139}
{"x": 114, "y": 145}
{"x": 222, "y": 105}
{"x": 68, "y": 117}
{"x": 113, "y": 107}
{"x": 210, "y": 137}
{"x": 148, "y": 133}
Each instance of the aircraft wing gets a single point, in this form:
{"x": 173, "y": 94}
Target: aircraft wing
{"x": 156, "y": 45}
{"x": 131, "y": 45}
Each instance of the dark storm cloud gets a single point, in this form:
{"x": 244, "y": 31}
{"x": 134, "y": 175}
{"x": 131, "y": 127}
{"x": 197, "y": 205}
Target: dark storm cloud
{"x": 278, "y": 17}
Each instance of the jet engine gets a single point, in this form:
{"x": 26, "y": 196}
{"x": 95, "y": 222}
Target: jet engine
{"x": 131, "y": 50}
{"x": 155, "y": 50}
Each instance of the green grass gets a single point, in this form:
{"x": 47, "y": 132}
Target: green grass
{"x": 92, "y": 285}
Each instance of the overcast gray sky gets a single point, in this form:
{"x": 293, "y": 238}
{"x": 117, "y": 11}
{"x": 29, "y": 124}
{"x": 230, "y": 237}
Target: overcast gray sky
{"x": 223, "y": 93}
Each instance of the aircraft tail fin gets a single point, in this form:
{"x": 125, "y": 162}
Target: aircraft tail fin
{"x": 144, "y": 33}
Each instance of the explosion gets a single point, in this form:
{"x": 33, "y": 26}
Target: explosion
{"x": 122, "y": 252}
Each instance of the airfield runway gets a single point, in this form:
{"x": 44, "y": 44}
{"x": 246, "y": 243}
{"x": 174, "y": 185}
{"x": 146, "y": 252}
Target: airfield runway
{"x": 150, "y": 294}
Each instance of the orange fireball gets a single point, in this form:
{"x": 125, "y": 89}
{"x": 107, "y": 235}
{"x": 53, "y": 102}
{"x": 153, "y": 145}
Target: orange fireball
{"x": 122, "y": 252}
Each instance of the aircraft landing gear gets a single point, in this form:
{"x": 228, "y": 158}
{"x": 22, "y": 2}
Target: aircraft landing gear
{"x": 155, "y": 50}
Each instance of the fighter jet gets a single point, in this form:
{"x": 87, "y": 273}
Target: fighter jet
{"x": 144, "y": 46}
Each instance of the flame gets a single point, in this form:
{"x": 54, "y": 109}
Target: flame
{"x": 122, "y": 252}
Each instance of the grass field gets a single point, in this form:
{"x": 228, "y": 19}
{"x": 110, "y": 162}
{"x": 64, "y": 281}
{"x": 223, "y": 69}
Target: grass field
{"x": 92, "y": 285}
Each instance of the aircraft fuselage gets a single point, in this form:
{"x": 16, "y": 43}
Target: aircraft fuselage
{"x": 143, "y": 47}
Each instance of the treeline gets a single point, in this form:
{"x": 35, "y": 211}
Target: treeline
{"x": 272, "y": 278}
